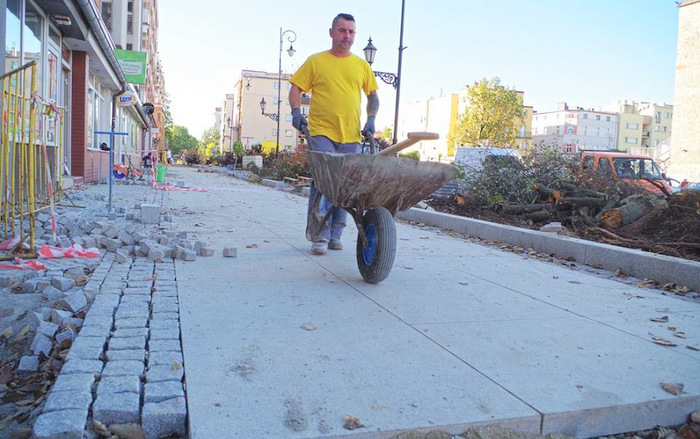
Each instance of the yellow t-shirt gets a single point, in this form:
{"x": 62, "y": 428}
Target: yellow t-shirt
{"x": 335, "y": 84}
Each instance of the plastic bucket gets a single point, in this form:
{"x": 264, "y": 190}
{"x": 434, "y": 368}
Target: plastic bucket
{"x": 160, "y": 173}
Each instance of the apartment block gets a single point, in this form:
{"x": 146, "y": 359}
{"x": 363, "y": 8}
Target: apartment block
{"x": 642, "y": 124}
{"x": 685, "y": 143}
{"x": 574, "y": 129}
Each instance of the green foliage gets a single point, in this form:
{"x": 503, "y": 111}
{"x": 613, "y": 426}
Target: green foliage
{"x": 168, "y": 129}
{"x": 238, "y": 149}
{"x": 209, "y": 142}
{"x": 492, "y": 118}
{"x": 181, "y": 139}
{"x": 288, "y": 164}
{"x": 413, "y": 155}
{"x": 387, "y": 133}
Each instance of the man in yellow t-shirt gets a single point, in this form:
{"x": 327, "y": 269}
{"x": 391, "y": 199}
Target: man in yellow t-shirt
{"x": 335, "y": 78}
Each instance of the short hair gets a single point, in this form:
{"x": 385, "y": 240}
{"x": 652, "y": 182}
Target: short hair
{"x": 347, "y": 17}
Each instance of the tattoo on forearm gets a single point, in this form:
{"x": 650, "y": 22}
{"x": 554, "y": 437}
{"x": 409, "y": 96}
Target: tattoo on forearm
{"x": 372, "y": 104}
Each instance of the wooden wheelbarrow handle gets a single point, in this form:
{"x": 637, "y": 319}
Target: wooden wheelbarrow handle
{"x": 413, "y": 138}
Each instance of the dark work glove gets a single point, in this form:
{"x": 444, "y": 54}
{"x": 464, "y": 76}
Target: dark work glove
{"x": 368, "y": 130}
{"x": 298, "y": 120}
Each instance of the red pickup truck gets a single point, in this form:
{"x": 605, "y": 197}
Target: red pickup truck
{"x": 635, "y": 169}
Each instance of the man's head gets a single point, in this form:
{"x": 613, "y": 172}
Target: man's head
{"x": 342, "y": 33}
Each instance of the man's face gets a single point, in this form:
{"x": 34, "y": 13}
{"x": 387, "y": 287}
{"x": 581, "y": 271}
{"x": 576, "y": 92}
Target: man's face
{"x": 343, "y": 35}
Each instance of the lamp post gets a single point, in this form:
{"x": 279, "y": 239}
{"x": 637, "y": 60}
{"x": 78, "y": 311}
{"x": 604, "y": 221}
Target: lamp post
{"x": 390, "y": 78}
{"x": 292, "y": 37}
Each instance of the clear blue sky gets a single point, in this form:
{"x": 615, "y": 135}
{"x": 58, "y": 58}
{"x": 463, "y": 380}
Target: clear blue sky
{"x": 584, "y": 52}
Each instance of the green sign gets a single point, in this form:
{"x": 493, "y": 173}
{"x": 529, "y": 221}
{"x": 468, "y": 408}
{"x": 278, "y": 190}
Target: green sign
{"x": 133, "y": 65}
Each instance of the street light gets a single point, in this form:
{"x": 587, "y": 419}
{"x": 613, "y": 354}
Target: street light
{"x": 389, "y": 78}
{"x": 273, "y": 116}
{"x": 292, "y": 37}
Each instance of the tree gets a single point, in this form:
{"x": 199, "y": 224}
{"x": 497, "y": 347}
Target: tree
{"x": 493, "y": 116}
{"x": 181, "y": 139}
{"x": 168, "y": 128}
{"x": 209, "y": 142}
{"x": 386, "y": 133}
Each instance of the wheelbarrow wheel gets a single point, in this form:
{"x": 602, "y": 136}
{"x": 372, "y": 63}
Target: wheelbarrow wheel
{"x": 376, "y": 258}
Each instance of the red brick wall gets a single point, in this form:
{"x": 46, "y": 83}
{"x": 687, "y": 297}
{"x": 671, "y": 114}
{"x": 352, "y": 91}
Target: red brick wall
{"x": 79, "y": 113}
{"x": 96, "y": 165}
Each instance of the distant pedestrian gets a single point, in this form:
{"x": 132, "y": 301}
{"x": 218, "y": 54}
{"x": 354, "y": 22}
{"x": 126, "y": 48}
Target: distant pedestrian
{"x": 170, "y": 157}
{"x": 147, "y": 162}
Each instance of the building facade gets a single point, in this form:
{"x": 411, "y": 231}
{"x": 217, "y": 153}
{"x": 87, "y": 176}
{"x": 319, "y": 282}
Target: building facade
{"x": 642, "y": 124}
{"x": 685, "y": 144}
{"x": 79, "y": 76}
{"x": 574, "y": 129}
{"x": 255, "y": 126}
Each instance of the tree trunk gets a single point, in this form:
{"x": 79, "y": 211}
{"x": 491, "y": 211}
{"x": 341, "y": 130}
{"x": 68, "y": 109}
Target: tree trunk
{"x": 539, "y": 216}
{"x": 635, "y": 207}
{"x": 525, "y": 208}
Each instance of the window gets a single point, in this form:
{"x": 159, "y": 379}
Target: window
{"x": 585, "y": 131}
{"x": 604, "y": 167}
{"x": 585, "y": 115}
{"x": 275, "y": 85}
{"x": 521, "y": 133}
{"x": 129, "y": 46}
{"x": 305, "y": 110}
{"x": 130, "y": 18}
{"x": 664, "y": 128}
{"x": 656, "y": 142}
{"x": 570, "y": 130}
{"x": 274, "y": 131}
{"x": 597, "y": 132}
{"x": 632, "y": 126}
{"x": 607, "y": 118}
{"x": 588, "y": 164}
{"x": 288, "y": 133}
{"x": 289, "y": 118}
{"x": 668, "y": 115}
{"x": 632, "y": 140}
{"x": 597, "y": 117}
{"x": 107, "y": 15}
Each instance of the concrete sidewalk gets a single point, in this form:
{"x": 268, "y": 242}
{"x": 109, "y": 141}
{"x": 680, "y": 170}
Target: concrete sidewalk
{"x": 278, "y": 343}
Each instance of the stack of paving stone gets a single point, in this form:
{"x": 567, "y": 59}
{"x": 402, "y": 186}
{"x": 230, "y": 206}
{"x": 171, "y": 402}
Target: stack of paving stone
{"x": 128, "y": 351}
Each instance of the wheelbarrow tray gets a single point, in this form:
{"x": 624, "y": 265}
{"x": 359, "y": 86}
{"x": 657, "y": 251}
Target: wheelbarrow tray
{"x": 360, "y": 182}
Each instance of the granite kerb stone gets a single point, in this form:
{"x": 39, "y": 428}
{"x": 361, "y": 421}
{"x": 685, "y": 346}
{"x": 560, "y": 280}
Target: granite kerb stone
{"x": 161, "y": 391}
{"x": 131, "y": 322}
{"x": 123, "y": 368}
{"x": 119, "y": 384}
{"x": 124, "y": 343}
{"x": 165, "y": 358}
{"x": 127, "y": 354}
{"x": 156, "y": 345}
{"x": 64, "y": 424}
{"x": 67, "y": 400}
{"x": 80, "y": 366}
{"x": 164, "y": 417}
{"x": 78, "y": 381}
{"x": 121, "y": 408}
{"x": 162, "y": 372}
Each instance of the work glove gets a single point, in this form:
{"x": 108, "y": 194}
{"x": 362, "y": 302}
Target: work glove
{"x": 298, "y": 120}
{"x": 368, "y": 130}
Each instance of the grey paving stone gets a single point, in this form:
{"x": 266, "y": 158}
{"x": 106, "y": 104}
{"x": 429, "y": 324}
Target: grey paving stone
{"x": 165, "y": 315}
{"x": 98, "y": 320}
{"x": 68, "y": 400}
{"x": 123, "y": 343}
{"x": 136, "y": 298}
{"x": 28, "y": 364}
{"x": 47, "y": 328}
{"x": 162, "y": 372}
{"x": 162, "y": 391}
{"x": 64, "y": 424}
{"x": 62, "y": 283}
{"x": 132, "y": 322}
{"x": 162, "y": 306}
{"x": 165, "y": 292}
{"x": 129, "y": 312}
{"x": 123, "y": 368}
{"x": 164, "y": 324}
{"x": 41, "y": 345}
{"x": 119, "y": 384}
{"x": 66, "y": 337}
{"x": 130, "y": 332}
{"x": 82, "y": 366}
{"x": 129, "y": 354}
{"x": 168, "y": 358}
{"x": 94, "y": 330}
{"x": 58, "y": 315}
{"x": 165, "y": 334}
{"x": 164, "y": 345}
{"x": 141, "y": 290}
{"x": 84, "y": 352}
{"x": 73, "y": 302}
{"x": 107, "y": 300}
{"x": 162, "y": 418}
{"x": 119, "y": 408}
{"x": 79, "y": 381}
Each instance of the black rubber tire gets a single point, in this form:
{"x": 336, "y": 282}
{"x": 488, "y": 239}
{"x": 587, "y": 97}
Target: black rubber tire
{"x": 375, "y": 260}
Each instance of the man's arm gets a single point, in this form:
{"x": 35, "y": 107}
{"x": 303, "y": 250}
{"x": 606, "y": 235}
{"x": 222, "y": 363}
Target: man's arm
{"x": 298, "y": 119}
{"x": 294, "y": 97}
{"x": 372, "y": 104}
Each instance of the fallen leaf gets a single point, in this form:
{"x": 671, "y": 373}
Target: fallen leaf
{"x": 7, "y": 333}
{"x": 127, "y": 431}
{"x": 23, "y": 332}
{"x": 252, "y": 246}
{"x": 663, "y": 341}
{"x": 671, "y": 328}
{"x": 679, "y": 334}
{"x": 619, "y": 273}
{"x": 352, "y": 423}
{"x": 673, "y": 388}
{"x": 4, "y": 312}
{"x": 662, "y": 319}
{"x": 308, "y": 326}
{"x": 177, "y": 366}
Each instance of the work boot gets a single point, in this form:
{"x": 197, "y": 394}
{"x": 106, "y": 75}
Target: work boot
{"x": 319, "y": 247}
{"x": 335, "y": 244}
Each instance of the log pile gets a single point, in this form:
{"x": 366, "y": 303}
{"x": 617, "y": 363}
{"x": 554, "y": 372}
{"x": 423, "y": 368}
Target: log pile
{"x": 642, "y": 220}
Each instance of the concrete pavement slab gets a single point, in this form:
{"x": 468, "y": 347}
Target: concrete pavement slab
{"x": 280, "y": 343}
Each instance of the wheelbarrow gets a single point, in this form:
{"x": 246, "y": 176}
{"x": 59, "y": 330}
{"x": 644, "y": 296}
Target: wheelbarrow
{"x": 372, "y": 188}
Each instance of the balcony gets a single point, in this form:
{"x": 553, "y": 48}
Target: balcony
{"x": 645, "y": 133}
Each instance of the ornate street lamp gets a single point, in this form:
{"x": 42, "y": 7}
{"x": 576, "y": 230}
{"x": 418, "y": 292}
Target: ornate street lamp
{"x": 292, "y": 37}
{"x": 389, "y": 78}
{"x": 273, "y": 116}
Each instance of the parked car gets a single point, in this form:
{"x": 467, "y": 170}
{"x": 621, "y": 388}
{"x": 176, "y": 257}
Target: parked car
{"x": 635, "y": 169}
